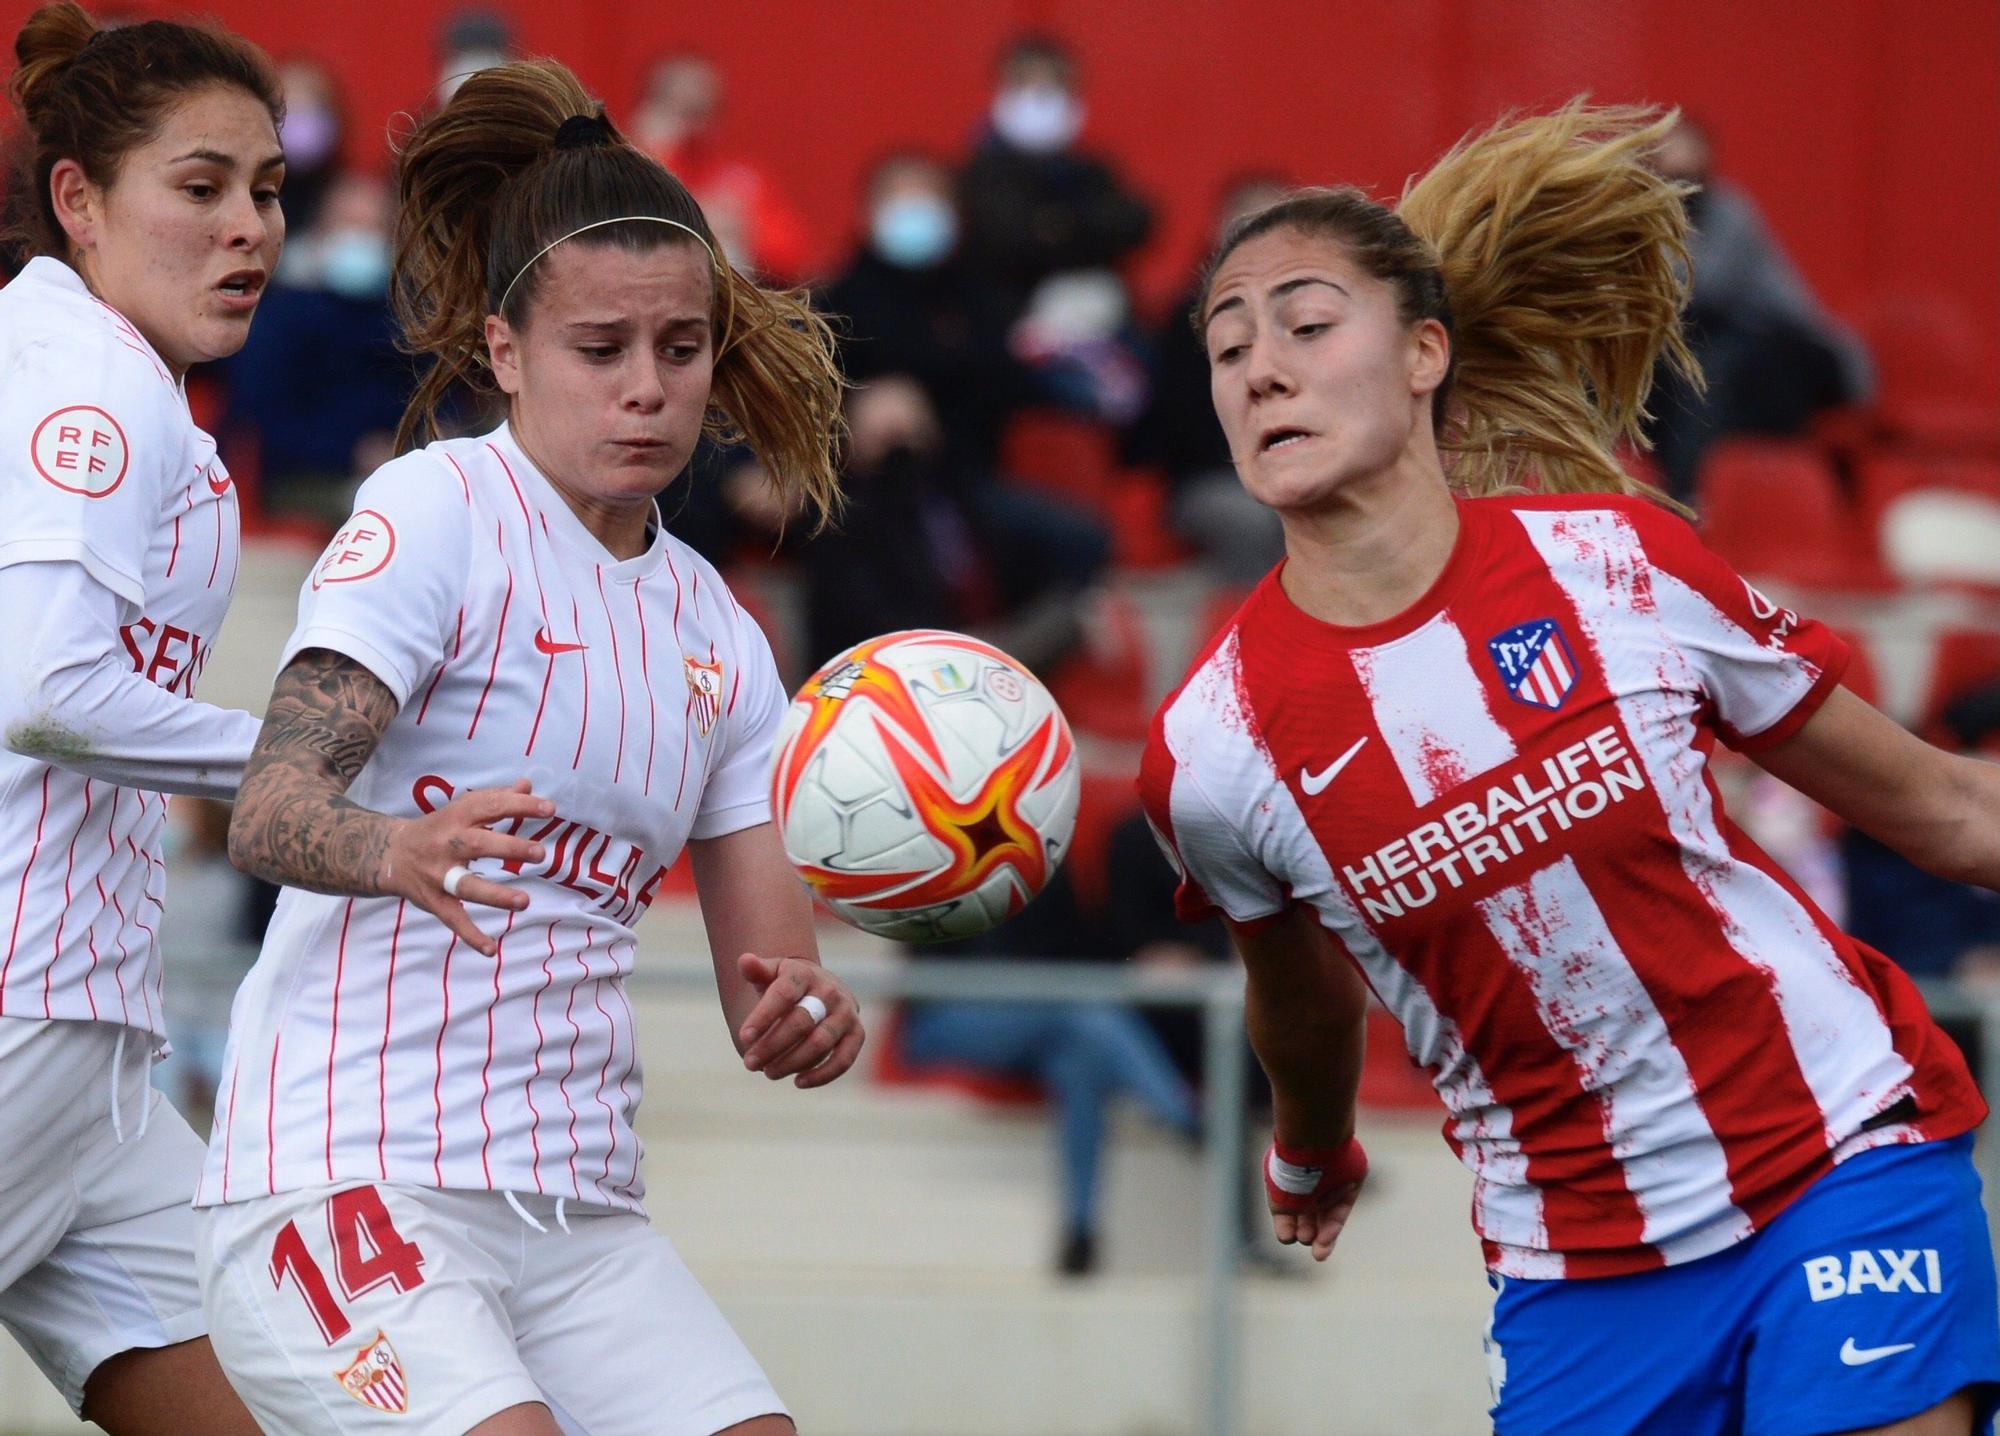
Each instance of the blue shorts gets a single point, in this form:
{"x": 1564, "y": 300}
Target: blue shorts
{"x": 1869, "y": 1300}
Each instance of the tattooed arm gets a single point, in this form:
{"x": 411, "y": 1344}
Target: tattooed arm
{"x": 294, "y": 823}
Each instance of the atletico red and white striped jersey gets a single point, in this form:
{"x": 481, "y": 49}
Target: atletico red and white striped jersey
{"x": 101, "y": 465}
{"x": 368, "y": 1043}
{"x": 1648, "y": 1040}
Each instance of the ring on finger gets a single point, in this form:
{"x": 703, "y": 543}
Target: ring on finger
{"x": 454, "y": 875}
{"x": 814, "y": 1008}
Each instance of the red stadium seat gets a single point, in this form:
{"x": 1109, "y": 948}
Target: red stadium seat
{"x": 1103, "y": 688}
{"x": 1773, "y": 510}
{"x": 1135, "y": 507}
{"x": 1963, "y": 660}
{"x": 1886, "y": 476}
{"x": 1928, "y": 356}
{"x": 1074, "y": 457}
{"x": 893, "y": 1071}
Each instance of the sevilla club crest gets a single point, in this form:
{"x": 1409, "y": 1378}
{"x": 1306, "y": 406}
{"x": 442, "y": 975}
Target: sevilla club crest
{"x": 1535, "y": 663}
{"x": 376, "y": 1378}
{"x": 704, "y": 692}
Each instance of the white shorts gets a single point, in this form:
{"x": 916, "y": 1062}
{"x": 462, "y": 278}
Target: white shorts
{"x": 383, "y": 1308}
{"x": 96, "y": 1234}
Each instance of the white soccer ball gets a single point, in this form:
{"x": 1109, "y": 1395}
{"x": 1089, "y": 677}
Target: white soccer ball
{"x": 925, "y": 785}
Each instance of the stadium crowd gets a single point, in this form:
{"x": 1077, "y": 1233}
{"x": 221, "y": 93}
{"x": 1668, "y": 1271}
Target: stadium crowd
{"x": 1048, "y": 439}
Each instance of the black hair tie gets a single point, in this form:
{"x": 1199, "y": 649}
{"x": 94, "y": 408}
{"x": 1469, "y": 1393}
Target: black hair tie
{"x": 583, "y": 132}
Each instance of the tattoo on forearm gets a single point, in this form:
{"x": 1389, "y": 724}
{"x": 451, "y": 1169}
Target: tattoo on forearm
{"x": 293, "y": 823}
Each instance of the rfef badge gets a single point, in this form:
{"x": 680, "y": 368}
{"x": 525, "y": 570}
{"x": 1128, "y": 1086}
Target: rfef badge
{"x": 1535, "y": 663}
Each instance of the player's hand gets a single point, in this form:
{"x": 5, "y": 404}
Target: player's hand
{"x": 1311, "y": 1191}
{"x": 780, "y": 1038}
{"x": 423, "y": 851}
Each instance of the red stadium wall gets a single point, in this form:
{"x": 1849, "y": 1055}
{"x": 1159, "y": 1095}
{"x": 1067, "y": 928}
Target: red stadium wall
{"x": 1869, "y": 130}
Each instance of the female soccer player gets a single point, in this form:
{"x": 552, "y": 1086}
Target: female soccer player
{"x": 150, "y": 206}
{"x": 1454, "y": 749}
{"x": 511, "y": 700}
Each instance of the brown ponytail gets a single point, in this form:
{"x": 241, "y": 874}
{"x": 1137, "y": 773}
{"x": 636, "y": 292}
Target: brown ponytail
{"x": 94, "y": 95}
{"x": 1558, "y": 263}
{"x": 485, "y": 188}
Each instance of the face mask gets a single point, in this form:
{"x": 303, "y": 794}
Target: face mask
{"x": 914, "y": 231}
{"x": 355, "y": 264}
{"x": 1037, "y": 118}
{"x": 310, "y": 137}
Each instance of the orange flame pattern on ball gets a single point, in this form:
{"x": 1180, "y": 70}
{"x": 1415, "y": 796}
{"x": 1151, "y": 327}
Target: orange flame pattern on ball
{"x": 876, "y": 683}
{"x": 983, "y": 833}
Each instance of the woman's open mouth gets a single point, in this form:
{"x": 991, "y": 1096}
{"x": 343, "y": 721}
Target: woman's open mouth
{"x": 1282, "y": 438}
{"x": 241, "y": 289}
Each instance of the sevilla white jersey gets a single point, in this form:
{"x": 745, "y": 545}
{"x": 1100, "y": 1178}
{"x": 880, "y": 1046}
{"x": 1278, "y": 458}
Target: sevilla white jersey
{"x": 1647, "y": 1038}
{"x": 368, "y": 1043}
{"x": 101, "y": 465}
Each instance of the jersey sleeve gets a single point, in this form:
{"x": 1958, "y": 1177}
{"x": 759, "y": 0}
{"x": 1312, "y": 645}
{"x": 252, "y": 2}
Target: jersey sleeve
{"x": 1765, "y": 669}
{"x": 737, "y": 794}
{"x": 387, "y": 589}
{"x": 1219, "y": 875}
{"x": 91, "y": 437}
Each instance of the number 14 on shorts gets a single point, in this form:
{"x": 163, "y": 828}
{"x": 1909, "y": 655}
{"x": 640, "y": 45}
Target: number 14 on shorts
{"x": 367, "y": 1251}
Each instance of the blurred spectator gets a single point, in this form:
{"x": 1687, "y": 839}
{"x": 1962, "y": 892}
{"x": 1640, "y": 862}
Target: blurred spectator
{"x": 1208, "y": 507}
{"x": 678, "y": 123}
{"x": 315, "y": 126}
{"x": 472, "y": 40}
{"x": 1773, "y": 357}
{"x": 1034, "y": 205}
{"x": 910, "y": 304}
{"x": 1082, "y": 1054}
{"x": 211, "y": 930}
{"x": 1047, "y": 223}
{"x": 320, "y": 384}
{"x": 901, "y": 555}
{"x": 937, "y": 530}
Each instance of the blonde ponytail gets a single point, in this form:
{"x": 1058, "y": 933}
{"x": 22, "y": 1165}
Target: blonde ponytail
{"x": 1565, "y": 258}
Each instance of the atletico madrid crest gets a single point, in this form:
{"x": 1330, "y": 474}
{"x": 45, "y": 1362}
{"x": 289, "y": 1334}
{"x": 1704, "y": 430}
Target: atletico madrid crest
{"x": 1535, "y": 663}
{"x": 704, "y": 692}
{"x": 376, "y": 1378}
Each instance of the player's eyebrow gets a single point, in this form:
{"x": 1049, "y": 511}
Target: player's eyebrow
{"x": 614, "y": 326}
{"x": 1278, "y": 291}
{"x": 228, "y": 162}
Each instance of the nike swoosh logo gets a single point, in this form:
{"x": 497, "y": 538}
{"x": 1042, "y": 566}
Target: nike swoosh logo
{"x": 545, "y": 644}
{"x": 218, "y": 489}
{"x": 1315, "y": 783}
{"x": 1852, "y": 1355}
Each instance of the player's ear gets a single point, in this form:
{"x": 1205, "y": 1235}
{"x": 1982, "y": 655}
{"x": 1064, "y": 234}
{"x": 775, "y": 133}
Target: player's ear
{"x": 79, "y": 204}
{"x": 1430, "y": 356}
{"x": 503, "y": 348}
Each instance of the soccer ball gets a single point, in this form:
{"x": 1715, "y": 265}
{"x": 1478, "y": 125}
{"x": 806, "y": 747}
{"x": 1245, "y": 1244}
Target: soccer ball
{"x": 925, "y": 785}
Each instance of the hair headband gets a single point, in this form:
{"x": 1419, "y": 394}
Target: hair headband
{"x": 599, "y": 224}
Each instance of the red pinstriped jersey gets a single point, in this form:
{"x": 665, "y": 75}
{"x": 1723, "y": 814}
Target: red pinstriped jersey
{"x": 1499, "y": 803}
{"x": 101, "y": 464}
{"x": 368, "y": 1043}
